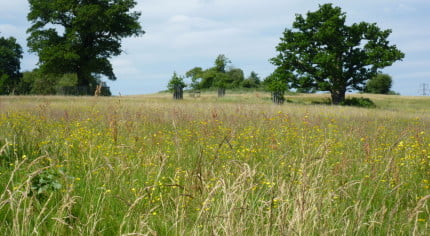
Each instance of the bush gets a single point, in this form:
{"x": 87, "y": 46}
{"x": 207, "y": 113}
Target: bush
{"x": 358, "y": 102}
{"x": 380, "y": 84}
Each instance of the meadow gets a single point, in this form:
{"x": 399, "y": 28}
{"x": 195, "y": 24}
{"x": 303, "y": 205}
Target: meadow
{"x": 238, "y": 165}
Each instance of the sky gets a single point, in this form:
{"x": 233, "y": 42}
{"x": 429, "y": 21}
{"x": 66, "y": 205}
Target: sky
{"x": 183, "y": 34}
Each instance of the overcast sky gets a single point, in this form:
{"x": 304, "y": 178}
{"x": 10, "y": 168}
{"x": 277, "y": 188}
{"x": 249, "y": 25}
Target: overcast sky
{"x": 182, "y": 34}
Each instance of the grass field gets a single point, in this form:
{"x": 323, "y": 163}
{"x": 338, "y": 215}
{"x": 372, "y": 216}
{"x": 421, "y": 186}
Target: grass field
{"x": 239, "y": 165}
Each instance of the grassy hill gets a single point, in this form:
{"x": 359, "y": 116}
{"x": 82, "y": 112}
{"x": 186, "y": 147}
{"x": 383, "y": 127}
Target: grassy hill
{"x": 238, "y": 165}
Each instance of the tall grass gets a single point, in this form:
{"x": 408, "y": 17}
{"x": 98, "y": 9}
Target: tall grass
{"x": 147, "y": 165}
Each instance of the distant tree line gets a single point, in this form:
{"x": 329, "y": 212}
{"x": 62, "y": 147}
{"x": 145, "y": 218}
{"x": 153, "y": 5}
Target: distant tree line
{"x": 37, "y": 82}
{"x": 221, "y": 75}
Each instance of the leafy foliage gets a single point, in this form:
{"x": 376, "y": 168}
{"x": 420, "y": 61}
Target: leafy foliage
{"x": 80, "y": 36}
{"x": 275, "y": 83}
{"x": 359, "y": 102}
{"x": 253, "y": 81}
{"x": 221, "y": 75}
{"x": 10, "y": 64}
{"x": 46, "y": 182}
{"x": 175, "y": 82}
{"x": 277, "y": 86}
{"x": 380, "y": 84}
{"x": 323, "y": 53}
{"x": 37, "y": 82}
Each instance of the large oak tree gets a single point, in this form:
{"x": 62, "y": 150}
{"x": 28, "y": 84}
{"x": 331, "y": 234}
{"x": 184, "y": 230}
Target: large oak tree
{"x": 80, "y": 36}
{"x": 321, "y": 52}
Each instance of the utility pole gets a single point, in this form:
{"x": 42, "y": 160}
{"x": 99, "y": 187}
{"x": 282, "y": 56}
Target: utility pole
{"x": 424, "y": 89}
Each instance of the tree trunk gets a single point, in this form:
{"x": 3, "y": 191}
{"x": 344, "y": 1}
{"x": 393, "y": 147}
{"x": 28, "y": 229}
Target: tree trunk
{"x": 178, "y": 93}
{"x": 221, "y": 92}
{"x": 278, "y": 97}
{"x": 85, "y": 84}
{"x": 337, "y": 96}
{"x": 83, "y": 79}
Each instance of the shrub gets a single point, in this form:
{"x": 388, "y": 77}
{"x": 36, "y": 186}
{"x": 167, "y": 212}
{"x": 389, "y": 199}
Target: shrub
{"x": 380, "y": 84}
{"x": 358, "y": 102}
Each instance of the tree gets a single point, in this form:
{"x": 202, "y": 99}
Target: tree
{"x": 235, "y": 77}
{"x": 10, "y": 65}
{"x": 322, "y": 52}
{"x": 276, "y": 84}
{"x": 253, "y": 81}
{"x": 221, "y": 75}
{"x": 196, "y": 76}
{"x": 80, "y": 37}
{"x": 221, "y": 63}
{"x": 175, "y": 82}
{"x": 380, "y": 84}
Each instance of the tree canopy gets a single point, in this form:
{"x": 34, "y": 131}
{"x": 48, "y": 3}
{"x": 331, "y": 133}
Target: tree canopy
{"x": 321, "y": 52}
{"x": 175, "y": 82}
{"x": 221, "y": 75}
{"x": 80, "y": 37}
{"x": 10, "y": 64}
{"x": 253, "y": 81}
{"x": 380, "y": 84}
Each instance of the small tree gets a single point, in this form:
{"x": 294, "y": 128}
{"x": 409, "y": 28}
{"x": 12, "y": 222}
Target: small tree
{"x": 10, "y": 65}
{"x": 176, "y": 85}
{"x": 380, "y": 84}
{"x": 221, "y": 82}
{"x": 277, "y": 86}
{"x": 221, "y": 79}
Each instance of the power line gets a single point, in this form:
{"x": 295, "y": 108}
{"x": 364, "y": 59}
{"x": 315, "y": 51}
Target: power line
{"x": 424, "y": 89}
